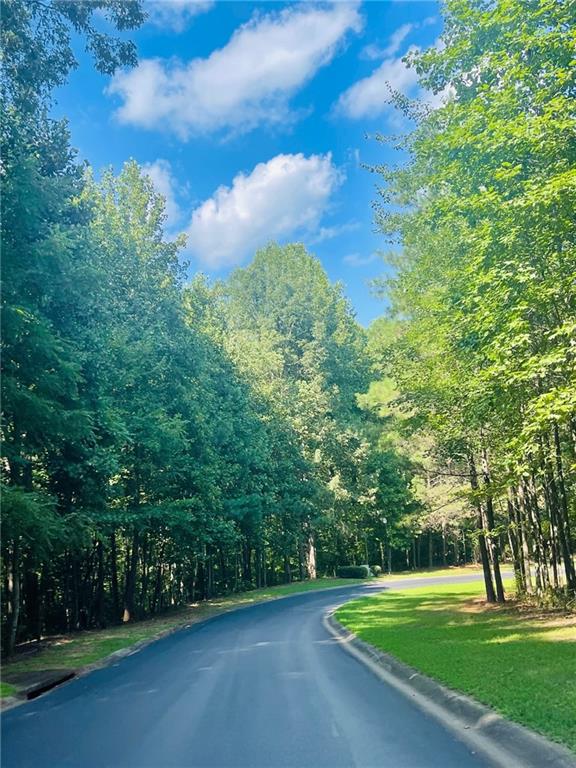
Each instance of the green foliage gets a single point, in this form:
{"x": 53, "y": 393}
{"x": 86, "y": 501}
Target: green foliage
{"x": 162, "y": 443}
{"x": 31, "y": 517}
{"x": 353, "y": 572}
{"x": 484, "y": 288}
{"x": 37, "y": 53}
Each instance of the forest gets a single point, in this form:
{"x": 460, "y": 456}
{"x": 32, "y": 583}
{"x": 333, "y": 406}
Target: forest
{"x": 168, "y": 438}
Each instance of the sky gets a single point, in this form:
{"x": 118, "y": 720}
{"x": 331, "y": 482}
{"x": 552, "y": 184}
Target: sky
{"x": 256, "y": 121}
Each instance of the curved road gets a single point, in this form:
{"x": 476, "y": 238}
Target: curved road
{"x": 263, "y": 687}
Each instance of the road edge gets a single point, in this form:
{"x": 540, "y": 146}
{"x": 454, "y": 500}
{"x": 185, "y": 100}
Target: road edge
{"x": 504, "y": 743}
{"x": 10, "y": 702}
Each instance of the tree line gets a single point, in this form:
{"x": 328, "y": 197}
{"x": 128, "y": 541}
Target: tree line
{"x": 480, "y": 344}
{"x": 164, "y": 440}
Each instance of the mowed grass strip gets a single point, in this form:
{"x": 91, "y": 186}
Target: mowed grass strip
{"x": 84, "y": 648}
{"x": 519, "y": 662}
{"x": 7, "y": 690}
{"x": 460, "y": 570}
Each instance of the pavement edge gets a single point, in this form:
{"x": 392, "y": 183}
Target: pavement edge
{"x": 10, "y": 702}
{"x": 504, "y": 743}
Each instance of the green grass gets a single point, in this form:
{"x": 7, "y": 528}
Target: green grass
{"x": 84, "y": 648}
{"x": 521, "y": 663}
{"x": 463, "y": 570}
{"x": 6, "y": 690}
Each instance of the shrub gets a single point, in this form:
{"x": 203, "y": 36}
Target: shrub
{"x": 353, "y": 572}
{"x": 376, "y": 570}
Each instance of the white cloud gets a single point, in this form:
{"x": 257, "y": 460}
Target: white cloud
{"x": 329, "y": 233}
{"x": 286, "y": 195}
{"x": 373, "y": 52}
{"x": 247, "y": 82}
{"x": 160, "y": 172}
{"x": 357, "y": 260}
{"x": 175, "y": 15}
{"x": 371, "y": 96}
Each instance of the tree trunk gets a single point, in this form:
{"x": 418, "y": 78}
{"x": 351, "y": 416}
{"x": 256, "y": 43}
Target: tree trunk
{"x": 100, "y": 605}
{"x": 311, "y": 556}
{"x": 492, "y": 541}
{"x": 114, "y": 577}
{"x": 488, "y": 583}
{"x": 130, "y": 589}
{"x": 14, "y": 590}
{"x": 287, "y": 569}
{"x": 513, "y": 537}
{"x": 564, "y": 522}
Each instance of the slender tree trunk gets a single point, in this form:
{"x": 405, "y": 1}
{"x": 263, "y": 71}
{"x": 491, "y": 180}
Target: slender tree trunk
{"x": 114, "y": 577}
{"x": 493, "y": 541}
{"x": 488, "y": 583}
{"x": 130, "y": 589}
{"x": 564, "y": 522}
{"x": 513, "y": 538}
{"x": 223, "y": 569}
{"x": 287, "y": 569}
{"x": 100, "y": 604}
{"x": 14, "y": 588}
{"x": 146, "y": 546}
{"x": 531, "y": 502}
{"x": 311, "y": 556}
{"x": 525, "y": 544}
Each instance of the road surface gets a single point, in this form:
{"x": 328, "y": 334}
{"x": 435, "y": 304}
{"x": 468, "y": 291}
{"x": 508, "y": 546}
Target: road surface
{"x": 263, "y": 687}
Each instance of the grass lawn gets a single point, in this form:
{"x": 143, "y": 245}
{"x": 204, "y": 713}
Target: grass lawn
{"x": 462, "y": 570}
{"x": 83, "y": 648}
{"x": 520, "y": 662}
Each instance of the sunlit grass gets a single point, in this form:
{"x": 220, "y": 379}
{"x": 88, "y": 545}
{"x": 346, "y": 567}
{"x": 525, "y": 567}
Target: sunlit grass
{"x": 521, "y": 664}
{"x": 464, "y": 570}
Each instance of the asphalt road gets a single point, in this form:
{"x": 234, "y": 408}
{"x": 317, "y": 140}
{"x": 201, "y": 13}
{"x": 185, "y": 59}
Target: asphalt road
{"x": 263, "y": 687}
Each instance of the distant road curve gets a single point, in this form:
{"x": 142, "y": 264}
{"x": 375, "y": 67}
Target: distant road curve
{"x": 263, "y": 687}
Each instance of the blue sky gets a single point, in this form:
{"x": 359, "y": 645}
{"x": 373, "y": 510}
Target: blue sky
{"x": 252, "y": 119}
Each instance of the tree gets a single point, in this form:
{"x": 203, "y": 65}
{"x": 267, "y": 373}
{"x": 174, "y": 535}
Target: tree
{"x": 485, "y": 283}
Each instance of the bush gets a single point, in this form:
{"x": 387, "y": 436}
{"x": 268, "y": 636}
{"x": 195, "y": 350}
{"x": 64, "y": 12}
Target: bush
{"x": 353, "y": 572}
{"x": 376, "y": 570}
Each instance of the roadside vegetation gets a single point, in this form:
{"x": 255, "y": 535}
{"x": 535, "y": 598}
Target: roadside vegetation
{"x": 479, "y": 349}
{"x": 514, "y": 658}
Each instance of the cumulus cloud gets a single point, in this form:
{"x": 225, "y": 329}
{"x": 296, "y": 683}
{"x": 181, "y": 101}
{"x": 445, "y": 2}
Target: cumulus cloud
{"x": 160, "y": 172}
{"x": 371, "y": 95}
{"x": 175, "y": 15}
{"x": 247, "y": 82}
{"x": 287, "y": 195}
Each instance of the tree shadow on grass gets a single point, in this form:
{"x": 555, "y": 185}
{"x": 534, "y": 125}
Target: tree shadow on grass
{"x": 516, "y": 665}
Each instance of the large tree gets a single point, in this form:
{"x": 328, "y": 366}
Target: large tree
{"x": 485, "y": 284}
